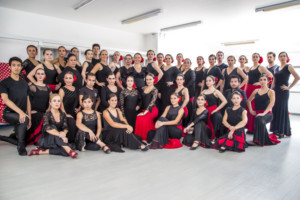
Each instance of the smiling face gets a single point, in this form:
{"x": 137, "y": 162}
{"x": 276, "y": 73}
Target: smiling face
{"x": 87, "y": 103}
{"x": 104, "y": 55}
{"x": 174, "y": 99}
{"x": 111, "y": 79}
{"x": 236, "y": 99}
{"x": 113, "y": 102}
{"x": 169, "y": 60}
{"x": 55, "y": 102}
{"x": 15, "y": 67}
{"x": 68, "y": 79}
{"x": 149, "y": 80}
{"x": 137, "y": 59}
{"x": 40, "y": 74}
{"x": 201, "y": 101}
{"x": 31, "y": 51}
{"x": 160, "y": 58}
{"x": 130, "y": 82}
{"x": 187, "y": 64}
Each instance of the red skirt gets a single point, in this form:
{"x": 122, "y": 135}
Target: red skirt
{"x": 244, "y": 87}
{"x": 237, "y": 143}
{"x": 155, "y": 79}
{"x": 251, "y": 118}
{"x": 209, "y": 122}
{"x": 52, "y": 87}
{"x": 145, "y": 123}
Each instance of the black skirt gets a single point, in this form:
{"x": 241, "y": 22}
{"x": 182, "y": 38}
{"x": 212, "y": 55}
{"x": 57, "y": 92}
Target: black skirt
{"x": 200, "y": 134}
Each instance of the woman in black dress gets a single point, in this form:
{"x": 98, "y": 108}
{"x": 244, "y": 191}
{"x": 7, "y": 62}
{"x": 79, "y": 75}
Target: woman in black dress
{"x": 87, "y": 65}
{"x": 180, "y": 60}
{"x": 88, "y": 122}
{"x": 145, "y": 120}
{"x": 167, "y": 84}
{"x": 107, "y": 90}
{"x": 130, "y": 102}
{"x": 114, "y": 65}
{"x": 231, "y": 70}
{"x": 75, "y": 51}
{"x": 201, "y": 133}
{"x": 243, "y": 60}
{"x": 215, "y": 71}
{"x": 60, "y": 60}
{"x": 124, "y": 72}
{"x": 71, "y": 67}
{"x": 264, "y": 99}
{"x": 117, "y": 132}
{"x": 213, "y": 96}
{"x": 54, "y": 140}
{"x": 280, "y": 124}
{"x": 139, "y": 73}
{"x": 168, "y": 127}
{"x": 39, "y": 98}
{"x": 51, "y": 71}
{"x": 70, "y": 97}
{"x": 30, "y": 63}
{"x": 102, "y": 71}
{"x": 199, "y": 72}
{"x": 234, "y": 119}
{"x": 153, "y": 67}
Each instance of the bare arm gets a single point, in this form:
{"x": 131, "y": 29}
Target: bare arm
{"x": 186, "y": 97}
{"x": 157, "y": 68}
{"x": 223, "y": 100}
{"x": 118, "y": 80}
{"x": 244, "y": 76}
{"x": 111, "y": 122}
{"x": 295, "y": 75}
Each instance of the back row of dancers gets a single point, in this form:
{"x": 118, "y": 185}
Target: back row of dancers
{"x": 60, "y": 105}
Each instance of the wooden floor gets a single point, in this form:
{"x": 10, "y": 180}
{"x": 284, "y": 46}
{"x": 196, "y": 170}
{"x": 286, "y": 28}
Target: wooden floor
{"x": 271, "y": 172}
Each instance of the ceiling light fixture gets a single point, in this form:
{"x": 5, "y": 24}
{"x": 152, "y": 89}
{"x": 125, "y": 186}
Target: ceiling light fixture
{"x": 239, "y": 43}
{"x": 171, "y": 28}
{"x": 278, "y": 6}
{"x": 141, "y": 16}
{"x": 82, "y": 4}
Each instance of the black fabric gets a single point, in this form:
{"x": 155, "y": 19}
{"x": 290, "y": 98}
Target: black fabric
{"x": 92, "y": 93}
{"x": 139, "y": 78}
{"x": 95, "y": 61}
{"x": 222, "y": 66}
{"x": 28, "y": 66}
{"x": 89, "y": 67}
{"x": 150, "y": 69}
{"x": 216, "y": 72}
{"x": 253, "y": 75}
{"x": 228, "y": 95}
{"x": 261, "y": 135}
{"x": 105, "y": 92}
{"x": 189, "y": 82}
{"x": 261, "y": 101}
{"x": 102, "y": 75}
{"x": 70, "y": 100}
{"x": 51, "y": 75}
{"x": 124, "y": 73}
{"x": 39, "y": 98}
{"x": 76, "y": 74}
{"x": 199, "y": 78}
{"x": 227, "y": 78}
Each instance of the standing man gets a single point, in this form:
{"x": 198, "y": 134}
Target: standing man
{"x": 271, "y": 58}
{"x": 96, "y": 54}
{"x": 220, "y": 58}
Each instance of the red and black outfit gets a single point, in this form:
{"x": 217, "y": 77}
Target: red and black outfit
{"x": 153, "y": 71}
{"x": 51, "y": 77}
{"x": 214, "y": 71}
{"x": 145, "y": 123}
{"x": 189, "y": 83}
{"x": 242, "y": 79}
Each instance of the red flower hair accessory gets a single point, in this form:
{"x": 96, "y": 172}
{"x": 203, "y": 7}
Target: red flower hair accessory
{"x": 121, "y": 58}
{"x": 261, "y": 60}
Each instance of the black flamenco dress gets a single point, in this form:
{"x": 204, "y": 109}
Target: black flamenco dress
{"x": 52, "y": 142}
{"x": 105, "y": 92}
{"x": 201, "y": 132}
{"x": 77, "y": 82}
{"x": 129, "y": 100}
{"x": 261, "y": 136}
{"x": 114, "y": 138}
{"x": 238, "y": 142}
{"x": 51, "y": 77}
{"x": 199, "y": 78}
{"x": 167, "y": 136}
{"x": 214, "y": 71}
{"x": 101, "y": 76}
{"x": 281, "y": 120}
{"x": 39, "y": 99}
{"x": 124, "y": 73}
{"x": 153, "y": 71}
{"x": 27, "y": 66}
{"x": 139, "y": 78}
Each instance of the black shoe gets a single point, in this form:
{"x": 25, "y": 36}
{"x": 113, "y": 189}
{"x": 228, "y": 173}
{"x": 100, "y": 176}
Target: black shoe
{"x": 145, "y": 149}
{"x": 194, "y": 148}
{"x": 222, "y": 150}
{"x": 107, "y": 151}
{"x": 22, "y": 150}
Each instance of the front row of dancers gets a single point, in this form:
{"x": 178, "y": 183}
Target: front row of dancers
{"x": 206, "y": 126}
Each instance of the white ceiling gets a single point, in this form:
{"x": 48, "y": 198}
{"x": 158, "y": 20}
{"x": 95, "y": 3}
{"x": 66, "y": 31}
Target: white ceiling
{"x": 110, "y": 13}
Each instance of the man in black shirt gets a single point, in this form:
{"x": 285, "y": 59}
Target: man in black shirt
{"x": 89, "y": 90}
{"x": 220, "y": 58}
{"x": 96, "y": 51}
{"x": 235, "y": 82}
{"x": 14, "y": 92}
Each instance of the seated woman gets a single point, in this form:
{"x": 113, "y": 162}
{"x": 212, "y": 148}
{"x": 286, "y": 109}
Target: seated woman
{"x": 69, "y": 96}
{"x": 88, "y": 122}
{"x": 117, "y": 132}
{"x": 53, "y": 140}
{"x": 167, "y": 127}
{"x": 213, "y": 96}
{"x": 39, "y": 97}
{"x": 145, "y": 120}
{"x": 234, "y": 119}
{"x": 264, "y": 99}
{"x": 201, "y": 133}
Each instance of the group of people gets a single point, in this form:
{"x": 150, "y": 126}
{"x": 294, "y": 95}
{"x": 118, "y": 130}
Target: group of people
{"x": 61, "y": 105}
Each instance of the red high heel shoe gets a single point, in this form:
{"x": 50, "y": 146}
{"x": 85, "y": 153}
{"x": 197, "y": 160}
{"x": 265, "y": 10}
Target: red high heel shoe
{"x": 73, "y": 153}
{"x": 35, "y": 152}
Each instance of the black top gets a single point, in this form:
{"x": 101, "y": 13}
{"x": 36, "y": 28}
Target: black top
{"x": 39, "y": 97}
{"x": 222, "y": 66}
{"x": 228, "y": 95}
{"x": 90, "y": 120}
{"x": 211, "y": 99}
{"x": 189, "y": 82}
{"x": 170, "y": 74}
{"x": 234, "y": 116}
{"x": 51, "y": 75}
{"x": 17, "y": 92}
{"x": 261, "y": 101}
{"x": 76, "y": 75}
{"x": 49, "y": 122}
{"x": 124, "y": 73}
{"x": 254, "y": 75}
{"x": 106, "y": 125}
{"x": 227, "y": 78}
{"x": 173, "y": 113}
{"x": 201, "y": 117}
{"x": 95, "y": 61}
{"x": 181, "y": 97}
{"x": 92, "y": 93}
{"x": 102, "y": 75}
{"x": 241, "y": 78}
{"x": 272, "y": 69}
{"x": 116, "y": 70}
{"x": 105, "y": 92}
{"x": 70, "y": 100}
{"x": 139, "y": 77}
{"x": 89, "y": 67}
{"x": 282, "y": 77}
{"x": 148, "y": 100}
{"x": 216, "y": 72}
{"x": 151, "y": 69}
{"x": 28, "y": 66}
{"x": 129, "y": 99}
{"x": 199, "y": 76}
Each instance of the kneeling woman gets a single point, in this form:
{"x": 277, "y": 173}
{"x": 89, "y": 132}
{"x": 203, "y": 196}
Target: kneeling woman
{"x": 201, "y": 133}
{"x": 88, "y": 122}
{"x": 234, "y": 119}
{"x": 264, "y": 99}
{"x": 167, "y": 126}
{"x": 117, "y": 132}
{"x": 53, "y": 140}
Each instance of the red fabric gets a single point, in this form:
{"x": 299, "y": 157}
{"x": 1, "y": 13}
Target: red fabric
{"x": 261, "y": 60}
{"x": 216, "y": 79}
{"x": 251, "y": 118}
{"x": 209, "y": 122}
{"x": 5, "y": 72}
{"x": 179, "y": 99}
{"x": 145, "y": 123}
{"x": 288, "y": 60}
{"x": 154, "y": 59}
{"x": 36, "y": 131}
{"x": 121, "y": 58}
{"x": 142, "y": 59}
{"x": 274, "y": 139}
{"x": 155, "y": 79}
{"x": 243, "y": 88}
{"x": 134, "y": 86}
{"x": 173, "y": 144}
{"x": 52, "y": 87}
{"x": 192, "y": 99}
{"x": 75, "y": 78}
{"x": 270, "y": 80}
